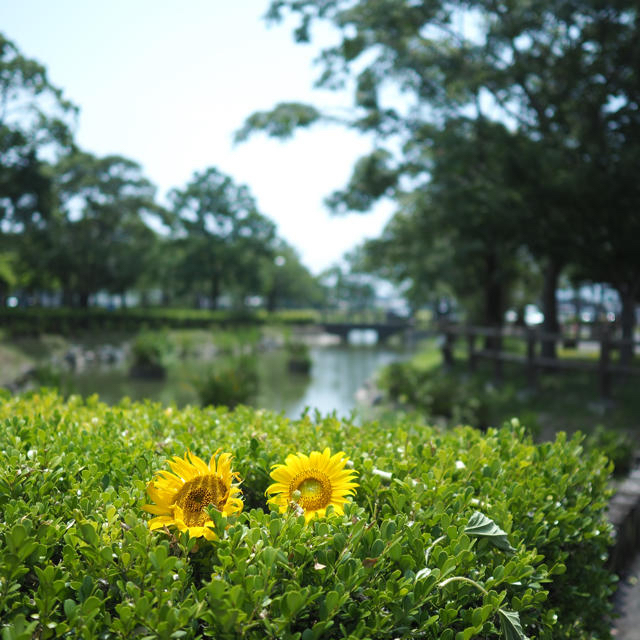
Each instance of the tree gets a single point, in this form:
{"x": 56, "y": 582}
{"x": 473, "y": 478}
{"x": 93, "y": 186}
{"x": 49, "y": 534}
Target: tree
{"x": 347, "y": 289}
{"x": 286, "y": 282}
{"x": 611, "y": 182}
{"x": 410, "y": 255}
{"x": 35, "y": 127}
{"x": 459, "y": 232}
{"x": 223, "y": 235}
{"x": 551, "y": 73}
{"x": 98, "y": 238}
{"x": 8, "y": 271}
{"x": 615, "y": 201}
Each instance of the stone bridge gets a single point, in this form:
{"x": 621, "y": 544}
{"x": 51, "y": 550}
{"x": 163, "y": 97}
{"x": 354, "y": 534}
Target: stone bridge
{"x": 384, "y": 330}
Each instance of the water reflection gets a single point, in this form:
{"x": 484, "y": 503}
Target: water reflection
{"x": 337, "y": 372}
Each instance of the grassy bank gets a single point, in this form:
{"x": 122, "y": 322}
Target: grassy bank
{"x": 562, "y": 401}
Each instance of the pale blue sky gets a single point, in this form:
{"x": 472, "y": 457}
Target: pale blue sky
{"x": 166, "y": 83}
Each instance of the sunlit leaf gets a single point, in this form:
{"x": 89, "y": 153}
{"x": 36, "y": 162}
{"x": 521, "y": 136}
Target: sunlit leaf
{"x": 482, "y": 527}
{"x": 510, "y": 625}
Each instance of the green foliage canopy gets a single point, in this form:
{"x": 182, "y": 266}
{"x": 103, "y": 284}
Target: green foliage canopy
{"x": 223, "y": 234}
{"x": 560, "y": 77}
{"x": 35, "y": 125}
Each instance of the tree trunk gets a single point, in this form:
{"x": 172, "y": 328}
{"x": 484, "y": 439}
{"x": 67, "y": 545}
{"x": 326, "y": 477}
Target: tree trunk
{"x": 493, "y": 299}
{"x": 84, "y": 299}
{"x": 67, "y": 297}
{"x": 271, "y": 300}
{"x": 215, "y": 291}
{"x": 628, "y": 321}
{"x": 550, "y": 307}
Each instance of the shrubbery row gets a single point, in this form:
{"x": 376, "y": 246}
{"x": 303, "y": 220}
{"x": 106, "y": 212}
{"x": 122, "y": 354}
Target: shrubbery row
{"x": 66, "y": 321}
{"x": 452, "y": 398}
{"x": 407, "y": 559}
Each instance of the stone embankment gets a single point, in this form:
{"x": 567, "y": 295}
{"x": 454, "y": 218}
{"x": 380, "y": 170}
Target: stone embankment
{"x": 624, "y": 514}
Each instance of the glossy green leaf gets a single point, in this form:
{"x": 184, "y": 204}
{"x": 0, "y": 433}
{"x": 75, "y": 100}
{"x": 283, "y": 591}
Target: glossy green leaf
{"x": 482, "y": 527}
{"x": 510, "y": 625}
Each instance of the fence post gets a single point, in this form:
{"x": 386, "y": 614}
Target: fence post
{"x": 471, "y": 342}
{"x": 531, "y": 358}
{"x": 447, "y": 349}
{"x": 605, "y": 372}
{"x": 497, "y": 352}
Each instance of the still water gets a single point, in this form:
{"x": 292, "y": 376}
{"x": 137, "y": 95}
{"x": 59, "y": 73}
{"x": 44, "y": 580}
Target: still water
{"x": 337, "y": 373}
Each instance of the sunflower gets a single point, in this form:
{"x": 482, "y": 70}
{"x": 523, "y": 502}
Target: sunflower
{"x": 313, "y": 482}
{"x": 182, "y": 497}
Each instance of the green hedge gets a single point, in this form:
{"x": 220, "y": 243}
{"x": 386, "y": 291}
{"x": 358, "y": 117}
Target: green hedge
{"x": 65, "y": 321}
{"x": 423, "y": 551}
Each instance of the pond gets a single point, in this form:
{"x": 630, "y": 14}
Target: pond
{"x": 337, "y": 373}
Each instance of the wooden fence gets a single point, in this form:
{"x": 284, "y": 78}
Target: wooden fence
{"x": 605, "y": 367}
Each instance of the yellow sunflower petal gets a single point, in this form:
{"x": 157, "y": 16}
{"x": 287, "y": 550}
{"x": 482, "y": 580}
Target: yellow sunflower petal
{"x": 224, "y": 463}
{"x": 165, "y": 488}
{"x": 198, "y": 463}
{"x": 282, "y": 474}
{"x": 178, "y": 514}
{"x": 159, "y": 510}
{"x": 169, "y": 478}
{"x": 159, "y": 496}
{"x": 346, "y": 484}
{"x": 310, "y": 515}
{"x": 212, "y": 460}
{"x": 293, "y": 462}
{"x": 183, "y": 469}
{"x": 160, "y": 521}
{"x": 277, "y": 487}
{"x": 316, "y": 461}
{"x": 338, "y": 459}
{"x": 341, "y": 474}
{"x": 233, "y": 505}
{"x": 279, "y": 502}
{"x": 325, "y": 459}
{"x": 209, "y": 534}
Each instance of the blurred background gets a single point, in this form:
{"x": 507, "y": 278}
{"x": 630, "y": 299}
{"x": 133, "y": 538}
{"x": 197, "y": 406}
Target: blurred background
{"x": 283, "y": 198}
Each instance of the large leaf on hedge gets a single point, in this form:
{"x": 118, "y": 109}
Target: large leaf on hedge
{"x": 510, "y": 625}
{"x": 481, "y": 526}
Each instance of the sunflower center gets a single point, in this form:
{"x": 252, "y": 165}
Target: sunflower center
{"x": 314, "y": 487}
{"x": 197, "y": 494}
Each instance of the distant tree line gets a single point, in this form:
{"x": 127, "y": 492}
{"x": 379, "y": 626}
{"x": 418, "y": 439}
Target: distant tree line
{"x": 74, "y": 224}
{"x": 508, "y": 134}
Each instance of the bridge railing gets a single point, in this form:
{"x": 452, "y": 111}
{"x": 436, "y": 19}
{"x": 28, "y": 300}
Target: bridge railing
{"x": 365, "y": 316}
